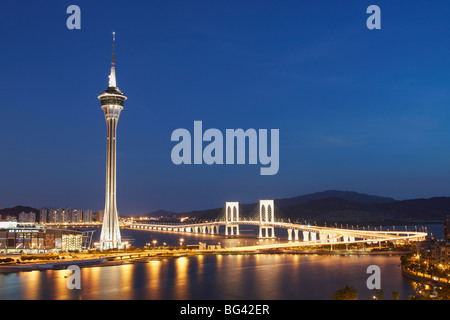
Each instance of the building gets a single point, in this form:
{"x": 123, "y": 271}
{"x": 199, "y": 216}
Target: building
{"x": 27, "y": 217}
{"x": 88, "y": 216}
{"x": 64, "y": 215}
{"x": 71, "y": 242}
{"x": 76, "y": 216}
{"x": 446, "y": 229}
{"x": 199, "y": 246}
{"x": 11, "y": 218}
{"x": 43, "y": 215}
{"x": 98, "y": 216}
{"x": 112, "y": 102}
{"x": 33, "y": 238}
{"x": 434, "y": 251}
{"x": 51, "y": 215}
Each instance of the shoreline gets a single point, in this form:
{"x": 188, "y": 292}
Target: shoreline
{"x": 426, "y": 280}
{"x": 52, "y": 265}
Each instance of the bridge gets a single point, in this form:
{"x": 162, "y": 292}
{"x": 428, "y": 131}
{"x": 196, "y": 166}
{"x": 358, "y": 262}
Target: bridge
{"x": 265, "y": 220}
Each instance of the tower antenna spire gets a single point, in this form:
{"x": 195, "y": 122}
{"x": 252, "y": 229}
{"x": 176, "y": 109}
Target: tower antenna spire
{"x": 112, "y": 75}
{"x": 114, "y": 47}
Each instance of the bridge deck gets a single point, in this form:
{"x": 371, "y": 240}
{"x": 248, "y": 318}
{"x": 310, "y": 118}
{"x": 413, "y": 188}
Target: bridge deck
{"x": 327, "y": 236}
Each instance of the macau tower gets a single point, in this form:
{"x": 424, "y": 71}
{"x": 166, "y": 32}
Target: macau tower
{"x": 112, "y": 102}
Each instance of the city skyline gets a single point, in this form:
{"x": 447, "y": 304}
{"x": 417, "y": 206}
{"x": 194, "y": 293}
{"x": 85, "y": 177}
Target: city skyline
{"x": 357, "y": 109}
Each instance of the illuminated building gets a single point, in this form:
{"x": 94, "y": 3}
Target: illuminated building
{"x": 71, "y": 242}
{"x": 112, "y": 102}
{"x": 76, "y": 216}
{"x": 43, "y": 215}
{"x": 88, "y": 216}
{"x": 446, "y": 229}
{"x": 27, "y": 217}
{"x": 34, "y": 238}
{"x": 434, "y": 251}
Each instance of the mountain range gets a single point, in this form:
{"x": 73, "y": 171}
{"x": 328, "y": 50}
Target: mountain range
{"x": 334, "y": 206}
{"x": 331, "y": 206}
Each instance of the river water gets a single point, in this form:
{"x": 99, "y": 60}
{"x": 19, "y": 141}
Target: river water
{"x": 215, "y": 277}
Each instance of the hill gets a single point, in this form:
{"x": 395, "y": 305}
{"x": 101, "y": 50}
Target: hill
{"x": 333, "y": 206}
{"x": 350, "y": 196}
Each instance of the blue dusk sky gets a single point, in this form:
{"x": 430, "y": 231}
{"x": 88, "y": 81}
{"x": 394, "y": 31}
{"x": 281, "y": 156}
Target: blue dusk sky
{"x": 357, "y": 109}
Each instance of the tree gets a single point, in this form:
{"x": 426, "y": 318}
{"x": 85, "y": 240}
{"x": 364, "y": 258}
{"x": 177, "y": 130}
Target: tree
{"x": 395, "y": 295}
{"x": 444, "y": 292}
{"x": 347, "y": 293}
{"x": 380, "y": 294}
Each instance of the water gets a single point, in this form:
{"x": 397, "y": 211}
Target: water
{"x": 140, "y": 238}
{"x": 214, "y": 277}
{"x": 217, "y": 277}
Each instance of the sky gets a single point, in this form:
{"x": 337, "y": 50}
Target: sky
{"x": 357, "y": 109}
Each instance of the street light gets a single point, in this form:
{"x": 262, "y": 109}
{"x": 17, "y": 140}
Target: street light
{"x": 154, "y": 242}
{"x": 181, "y": 242}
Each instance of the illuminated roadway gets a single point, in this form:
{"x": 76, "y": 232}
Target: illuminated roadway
{"x": 319, "y": 235}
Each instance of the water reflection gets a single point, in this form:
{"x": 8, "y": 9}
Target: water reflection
{"x": 114, "y": 282}
{"x": 181, "y": 279}
{"x": 32, "y": 285}
{"x": 153, "y": 269}
{"x": 261, "y": 276}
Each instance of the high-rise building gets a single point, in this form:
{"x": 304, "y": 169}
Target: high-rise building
{"x": 98, "y": 216}
{"x": 52, "y": 215}
{"x": 27, "y": 217}
{"x": 76, "y": 215}
{"x": 446, "y": 229}
{"x": 43, "y": 215}
{"x": 87, "y": 216}
{"x": 63, "y": 215}
{"x": 112, "y": 102}
{"x": 67, "y": 212}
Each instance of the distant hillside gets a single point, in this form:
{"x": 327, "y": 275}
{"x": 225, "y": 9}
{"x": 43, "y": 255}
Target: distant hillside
{"x": 350, "y": 196}
{"x": 335, "y": 206}
{"x": 160, "y": 213}
{"x": 14, "y": 212}
{"x": 339, "y": 210}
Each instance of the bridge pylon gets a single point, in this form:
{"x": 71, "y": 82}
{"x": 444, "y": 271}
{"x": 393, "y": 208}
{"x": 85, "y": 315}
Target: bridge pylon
{"x": 266, "y": 215}
{"x": 232, "y": 218}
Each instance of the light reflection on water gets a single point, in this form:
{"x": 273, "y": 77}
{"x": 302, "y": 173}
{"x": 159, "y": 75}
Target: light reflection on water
{"x": 240, "y": 277}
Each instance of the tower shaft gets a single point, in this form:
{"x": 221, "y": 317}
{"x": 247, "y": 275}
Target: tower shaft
{"x": 110, "y": 237}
